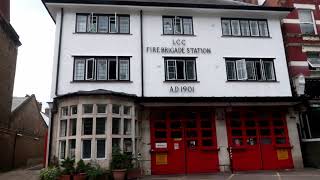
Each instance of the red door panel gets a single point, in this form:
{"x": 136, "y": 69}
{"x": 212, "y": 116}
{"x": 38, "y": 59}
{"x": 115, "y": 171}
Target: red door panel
{"x": 258, "y": 140}
{"x": 191, "y": 143}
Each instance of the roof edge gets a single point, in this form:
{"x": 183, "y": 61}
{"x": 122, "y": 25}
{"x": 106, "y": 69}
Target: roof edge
{"x": 162, "y": 4}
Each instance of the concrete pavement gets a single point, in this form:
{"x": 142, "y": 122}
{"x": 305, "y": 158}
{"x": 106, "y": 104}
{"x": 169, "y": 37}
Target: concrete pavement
{"x": 303, "y": 174}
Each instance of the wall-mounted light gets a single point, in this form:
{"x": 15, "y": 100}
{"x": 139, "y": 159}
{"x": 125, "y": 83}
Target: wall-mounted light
{"x": 19, "y": 134}
{"x": 37, "y": 139}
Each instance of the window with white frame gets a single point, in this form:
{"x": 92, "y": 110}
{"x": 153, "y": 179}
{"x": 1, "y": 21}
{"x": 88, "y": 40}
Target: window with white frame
{"x": 177, "y": 25}
{"x": 314, "y": 60}
{"x": 101, "y": 108}
{"x": 72, "y": 127}
{"x": 72, "y": 149}
{"x": 62, "y": 149}
{"x": 101, "y": 69}
{"x": 87, "y": 108}
{"x": 86, "y": 149}
{"x": 87, "y": 125}
{"x": 63, "y": 128}
{"x": 244, "y": 27}
{"x": 103, "y": 23}
{"x": 180, "y": 69}
{"x": 74, "y": 109}
{"x": 101, "y": 148}
{"x": 307, "y": 24}
{"x": 250, "y": 69}
{"x": 100, "y": 125}
{"x": 64, "y": 111}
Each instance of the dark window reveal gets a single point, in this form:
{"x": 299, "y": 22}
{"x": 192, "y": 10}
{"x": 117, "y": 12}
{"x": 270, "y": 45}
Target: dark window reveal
{"x": 244, "y": 27}
{"x": 180, "y": 69}
{"x": 174, "y": 25}
{"x": 101, "y": 23}
{"x": 86, "y": 149}
{"x": 250, "y": 69}
{"x": 101, "y": 69}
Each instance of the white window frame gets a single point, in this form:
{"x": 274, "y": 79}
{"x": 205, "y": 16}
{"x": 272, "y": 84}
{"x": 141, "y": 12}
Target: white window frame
{"x": 177, "y": 18}
{"x": 90, "y": 23}
{"x": 312, "y": 17}
{"x": 60, "y": 148}
{"x": 273, "y": 72}
{"x": 115, "y": 23}
{"x": 223, "y": 29}
{"x": 176, "y": 69}
{"x": 254, "y": 70}
{"x": 175, "y": 66}
{"x": 241, "y": 69}
{"x": 83, "y": 149}
{"x": 105, "y": 149}
{"x": 93, "y": 68}
{"x": 257, "y": 22}
{"x": 98, "y": 70}
{"x": 235, "y": 27}
{"x": 127, "y": 72}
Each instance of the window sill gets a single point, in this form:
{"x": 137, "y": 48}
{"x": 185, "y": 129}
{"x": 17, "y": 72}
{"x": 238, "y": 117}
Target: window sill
{"x": 101, "y": 81}
{"x": 252, "y": 81}
{"x": 181, "y": 81}
{"x": 102, "y": 33}
{"x": 255, "y": 37}
{"x": 191, "y": 35}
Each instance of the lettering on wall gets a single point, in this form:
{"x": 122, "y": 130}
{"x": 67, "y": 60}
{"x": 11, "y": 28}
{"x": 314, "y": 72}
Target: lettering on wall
{"x": 179, "y": 47}
{"x": 182, "y": 89}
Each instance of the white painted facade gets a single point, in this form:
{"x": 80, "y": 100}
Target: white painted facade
{"x": 211, "y": 70}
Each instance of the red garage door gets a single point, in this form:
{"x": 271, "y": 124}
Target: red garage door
{"x": 258, "y": 140}
{"x": 183, "y": 143}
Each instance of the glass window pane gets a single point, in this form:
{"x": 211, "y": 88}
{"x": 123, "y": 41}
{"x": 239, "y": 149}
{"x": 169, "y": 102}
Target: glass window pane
{"x": 73, "y": 127}
{"x": 245, "y": 30}
{"x": 191, "y": 70}
{"x": 87, "y": 126}
{"x": 79, "y": 65}
{"x": 127, "y": 127}
{"x": 64, "y": 111}
{"x": 231, "y": 70}
{"x": 124, "y": 69}
{"x": 115, "y": 143}
{"x": 116, "y": 125}
{"x": 314, "y": 123}
{"x": 74, "y": 110}
{"x": 101, "y": 108}
{"x": 307, "y": 28}
{"x": 268, "y": 70}
{"x": 254, "y": 28}
{"x": 90, "y": 69}
{"x": 235, "y": 119}
{"x": 180, "y": 70}
{"x": 127, "y": 145}
{"x": 177, "y": 25}
{"x": 167, "y": 26}
{"x": 103, "y": 24}
{"x": 113, "y": 25}
{"x": 63, "y": 128}
{"x": 235, "y": 27}
{"x": 112, "y": 69}
{"x": 81, "y": 23}
{"x": 115, "y": 109}
{"x": 187, "y": 26}
{"x": 263, "y": 27}
{"x": 87, "y": 108}
{"x": 171, "y": 70}
{"x": 127, "y": 110}
{"x": 92, "y": 23}
{"x": 72, "y": 149}
{"x": 226, "y": 27}
{"x": 250, "y": 70}
{"x": 62, "y": 154}
{"x": 101, "y": 69}
{"x": 305, "y": 16}
{"x": 259, "y": 72}
{"x": 86, "y": 149}
{"x": 101, "y": 148}
{"x": 100, "y": 125}
{"x": 124, "y": 24}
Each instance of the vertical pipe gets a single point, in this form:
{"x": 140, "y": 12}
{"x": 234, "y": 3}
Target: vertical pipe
{"x": 59, "y": 53}
{"x": 141, "y": 48}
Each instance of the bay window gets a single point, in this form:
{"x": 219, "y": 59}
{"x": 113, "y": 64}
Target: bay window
{"x": 250, "y": 69}
{"x": 177, "y": 25}
{"x": 101, "y": 69}
{"x": 102, "y": 23}
{"x": 180, "y": 69}
{"x": 244, "y": 27}
{"x": 306, "y": 19}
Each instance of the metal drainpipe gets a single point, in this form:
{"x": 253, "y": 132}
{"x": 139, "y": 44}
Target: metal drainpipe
{"x": 59, "y": 53}
{"x": 141, "y": 48}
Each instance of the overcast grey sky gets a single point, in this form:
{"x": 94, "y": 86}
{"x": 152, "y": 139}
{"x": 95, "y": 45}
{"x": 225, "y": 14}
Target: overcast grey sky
{"x": 36, "y": 29}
